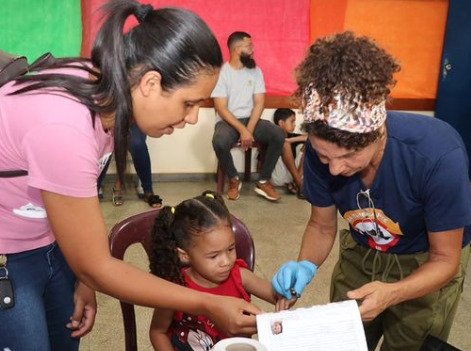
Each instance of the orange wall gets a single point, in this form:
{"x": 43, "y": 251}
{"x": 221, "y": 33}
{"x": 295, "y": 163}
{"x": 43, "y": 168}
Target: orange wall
{"x": 411, "y": 30}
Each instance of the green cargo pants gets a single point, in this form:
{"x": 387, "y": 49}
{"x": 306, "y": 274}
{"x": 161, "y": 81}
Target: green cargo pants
{"x": 405, "y": 325}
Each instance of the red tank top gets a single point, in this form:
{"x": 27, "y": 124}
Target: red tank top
{"x": 197, "y": 333}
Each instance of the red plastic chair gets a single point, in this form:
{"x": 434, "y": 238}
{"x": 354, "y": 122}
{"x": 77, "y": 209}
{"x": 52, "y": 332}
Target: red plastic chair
{"x": 136, "y": 229}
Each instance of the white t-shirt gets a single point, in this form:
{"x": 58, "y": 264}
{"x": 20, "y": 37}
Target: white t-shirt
{"x": 239, "y": 86}
{"x": 281, "y": 175}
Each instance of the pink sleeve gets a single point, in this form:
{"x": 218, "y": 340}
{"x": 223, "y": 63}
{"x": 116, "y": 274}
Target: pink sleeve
{"x": 62, "y": 160}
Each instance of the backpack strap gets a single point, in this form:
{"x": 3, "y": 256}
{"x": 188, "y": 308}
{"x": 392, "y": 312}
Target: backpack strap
{"x": 12, "y": 174}
{"x": 12, "y": 66}
{"x": 45, "y": 59}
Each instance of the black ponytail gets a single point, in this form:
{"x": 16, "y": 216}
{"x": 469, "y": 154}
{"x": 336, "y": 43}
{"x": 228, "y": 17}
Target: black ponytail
{"x": 110, "y": 58}
{"x": 164, "y": 261}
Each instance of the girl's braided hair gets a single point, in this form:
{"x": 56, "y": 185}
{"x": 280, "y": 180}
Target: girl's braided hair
{"x": 175, "y": 227}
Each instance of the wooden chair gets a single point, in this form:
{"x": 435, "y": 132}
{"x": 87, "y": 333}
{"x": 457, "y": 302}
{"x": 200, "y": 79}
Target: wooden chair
{"x": 136, "y": 229}
{"x": 221, "y": 175}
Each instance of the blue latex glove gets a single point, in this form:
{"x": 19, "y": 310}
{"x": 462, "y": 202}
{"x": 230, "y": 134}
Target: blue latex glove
{"x": 292, "y": 278}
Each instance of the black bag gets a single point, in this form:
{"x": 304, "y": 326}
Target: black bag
{"x": 433, "y": 343}
{"x": 11, "y": 67}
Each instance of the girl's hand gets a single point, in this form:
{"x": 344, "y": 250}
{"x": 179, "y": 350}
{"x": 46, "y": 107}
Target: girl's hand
{"x": 283, "y": 303}
{"x": 232, "y": 315}
{"x": 81, "y": 322}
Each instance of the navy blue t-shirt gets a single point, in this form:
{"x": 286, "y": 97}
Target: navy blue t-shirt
{"x": 421, "y": 186}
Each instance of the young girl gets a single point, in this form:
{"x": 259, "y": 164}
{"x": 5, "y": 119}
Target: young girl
{"x": 193, "y": 245}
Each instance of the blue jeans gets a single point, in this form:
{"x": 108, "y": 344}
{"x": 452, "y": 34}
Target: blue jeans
{"x": 140, "y": 157}
{"x": 43, "y": 286}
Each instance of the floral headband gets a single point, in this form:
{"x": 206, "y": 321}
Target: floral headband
{"x": 341, "y": 114}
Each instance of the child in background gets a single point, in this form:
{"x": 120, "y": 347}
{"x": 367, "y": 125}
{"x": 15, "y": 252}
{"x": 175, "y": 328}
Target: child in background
{"x": 193, "y": 245}
{"x": 289, "y": 168}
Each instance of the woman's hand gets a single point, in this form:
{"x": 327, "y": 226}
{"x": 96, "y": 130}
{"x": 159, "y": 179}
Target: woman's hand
{"x": 81, "y": 322}
{"x": 375, "y": 298}
{"x": 232, "y": 315}
{"x": 293, "y": 277}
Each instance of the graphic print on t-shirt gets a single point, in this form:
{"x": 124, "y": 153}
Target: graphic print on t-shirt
{"x": 191, "y": 334}
{"x": 30, "y": 211}
{"x": 383, "y": 233}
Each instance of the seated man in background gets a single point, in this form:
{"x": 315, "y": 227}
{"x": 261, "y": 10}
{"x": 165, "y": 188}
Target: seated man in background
{"x": 239, "y": 98}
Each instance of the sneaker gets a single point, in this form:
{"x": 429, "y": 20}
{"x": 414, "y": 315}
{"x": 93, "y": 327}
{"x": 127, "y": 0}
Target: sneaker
{"x": 233, "y": 193}
{"x": 267, "y": 190}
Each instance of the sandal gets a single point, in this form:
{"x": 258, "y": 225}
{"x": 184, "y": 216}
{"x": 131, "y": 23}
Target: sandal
{"x": 291, "y": 188}
{"x": 117, "y": 197}
{"x": 153, "y": 200}
{"x": 300, "y": 194}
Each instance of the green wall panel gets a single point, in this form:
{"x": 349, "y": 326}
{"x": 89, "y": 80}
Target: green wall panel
{"x": 33, "y": 27}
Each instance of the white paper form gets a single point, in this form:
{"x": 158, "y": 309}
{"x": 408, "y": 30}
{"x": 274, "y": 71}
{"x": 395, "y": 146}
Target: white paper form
{"x": 334, "y": 327}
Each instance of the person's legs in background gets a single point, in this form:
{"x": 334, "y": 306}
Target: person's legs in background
{"x": 141, "y": 161}
{"x": 101, "y": 177}
{"x": 273, "y": 137}
{"x": 223, "y": 139}
{"x": 290, "y": 163}
{"x": 117, "y": 193}
{"x": 281, "y": 175}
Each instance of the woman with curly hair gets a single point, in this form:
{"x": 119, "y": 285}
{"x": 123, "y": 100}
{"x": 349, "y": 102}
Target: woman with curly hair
{"x": 389, "y": 174}
{"x": 193, "y": 245}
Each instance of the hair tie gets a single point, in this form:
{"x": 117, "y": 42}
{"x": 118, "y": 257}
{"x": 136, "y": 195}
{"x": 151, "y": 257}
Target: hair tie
{"x": 172, "y": 209}
{"x": 142, "y": 12}
{"x": 211, "y": 196}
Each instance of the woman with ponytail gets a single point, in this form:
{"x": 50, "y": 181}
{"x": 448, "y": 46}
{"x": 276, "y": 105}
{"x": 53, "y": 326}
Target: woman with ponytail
{"x": 59, "y": 125}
